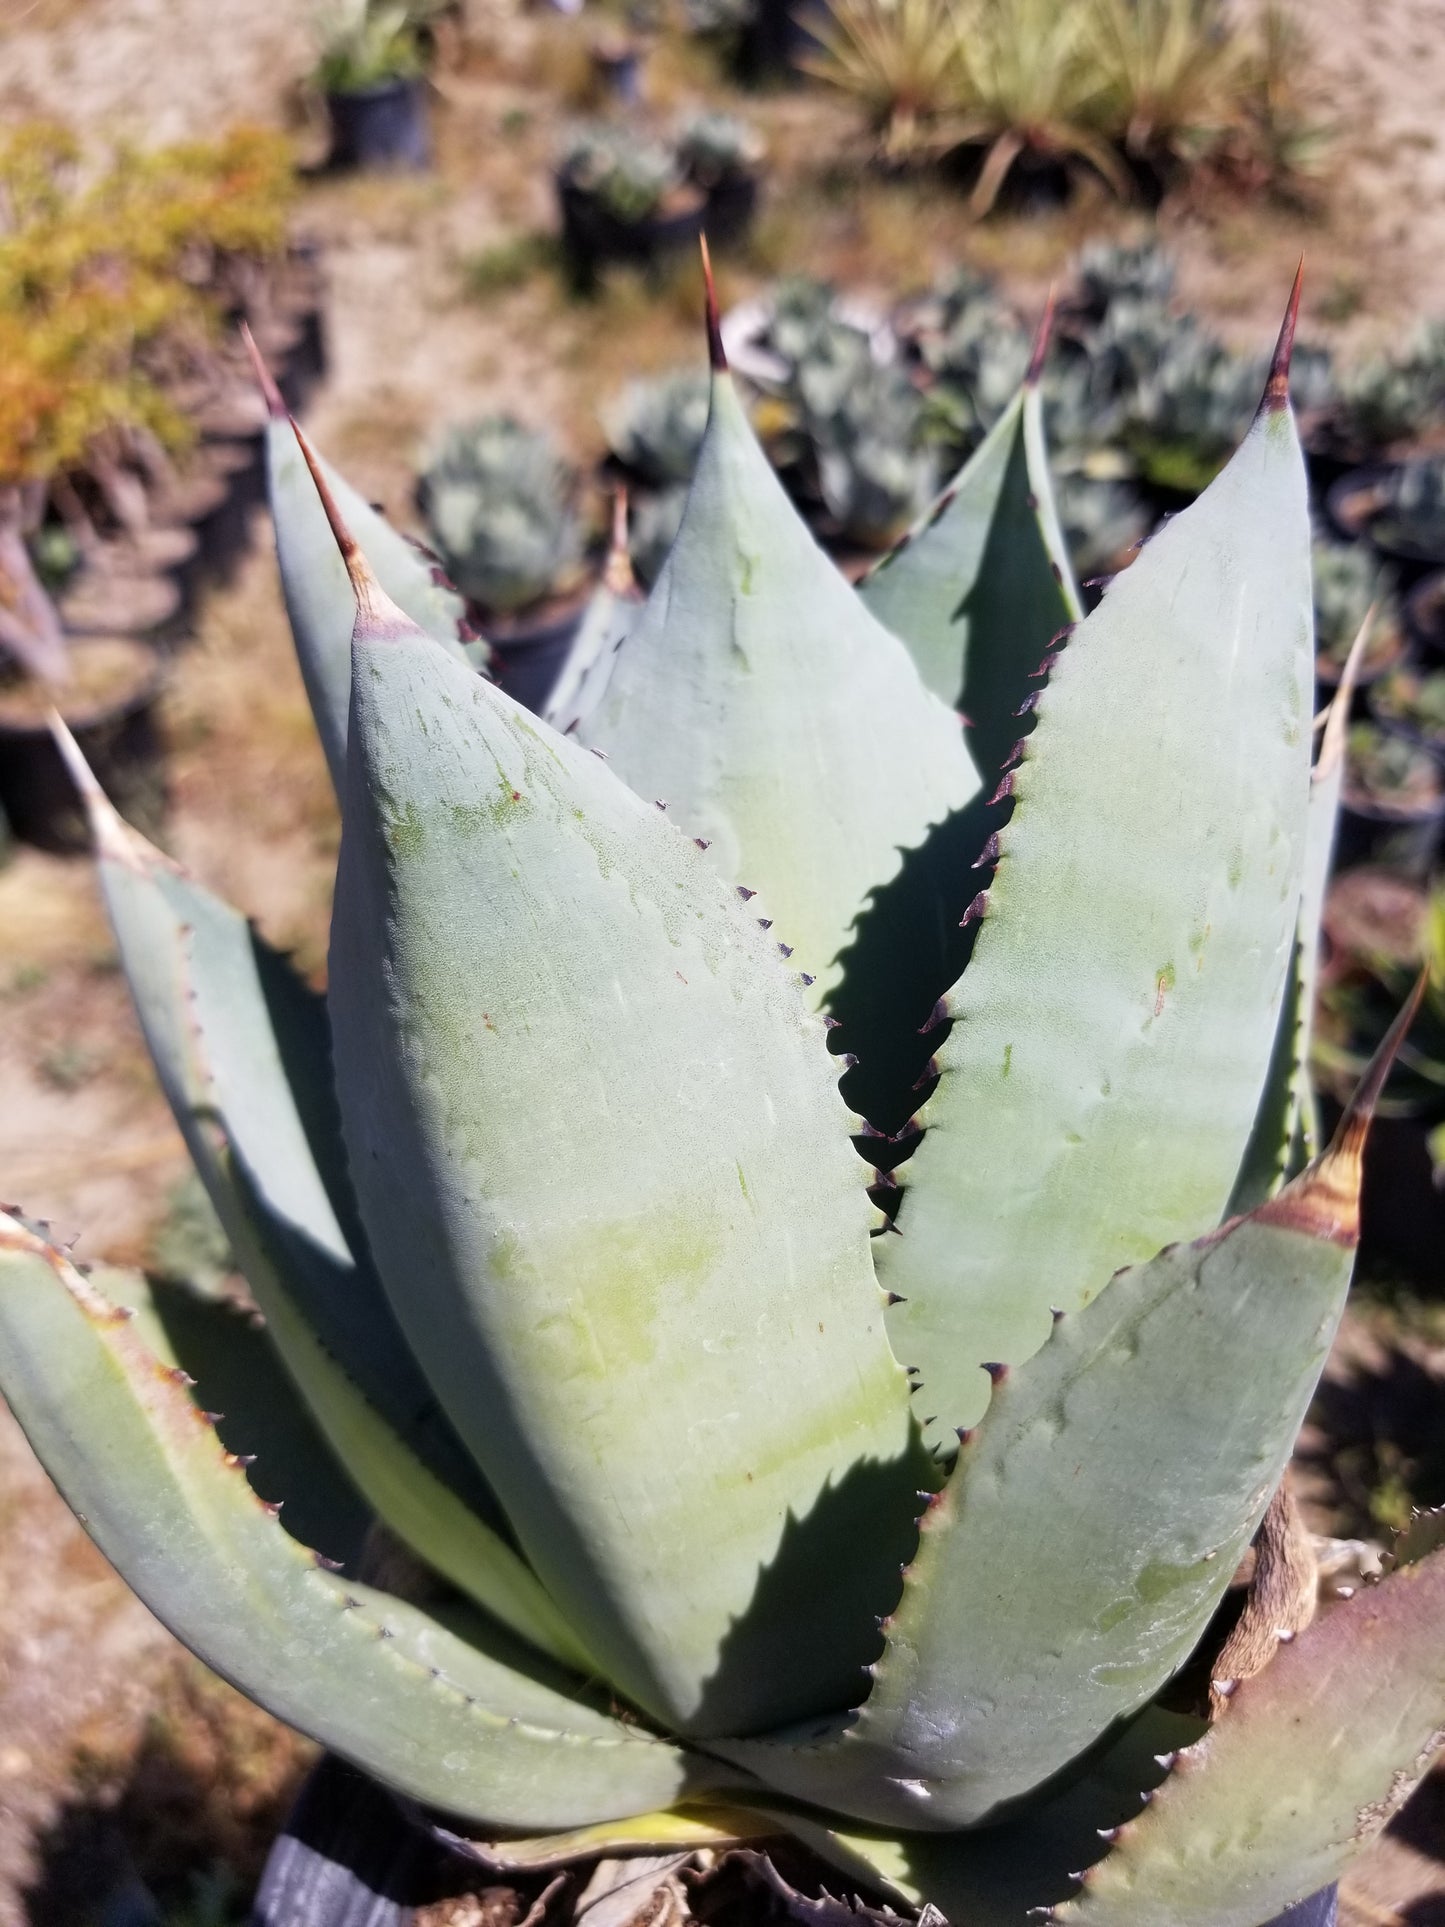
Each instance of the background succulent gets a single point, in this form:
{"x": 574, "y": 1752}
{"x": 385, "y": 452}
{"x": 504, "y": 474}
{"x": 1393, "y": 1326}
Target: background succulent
{"x": 553, "y": 1214}
{"x": 1348, "y": 580}
{"x": 498, "y": 503}
{"x": 655, "y": 427}
{"x": 714, "y": 147}
{"x": 1413, "y": 511}
{"x": 1108, "y": 272}
{"x": 626, "y": 173}
{"x": 875, "y": 469}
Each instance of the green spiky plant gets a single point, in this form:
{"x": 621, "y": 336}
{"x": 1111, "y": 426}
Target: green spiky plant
{"x": 552, "y": 1214}
{"x": 498, "y": 503}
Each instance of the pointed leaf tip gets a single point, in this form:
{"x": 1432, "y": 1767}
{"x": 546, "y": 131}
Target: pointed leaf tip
{"x": 1039, "y": 353}
{"x": 377, "y": 616}
{"x": 1276, "y": 388}
{"x": 1324, "y": 1200}
{"x": 617, "y": 575}
{"x": 265, "y": 381}
{"x": 111, "y": 835}
{"x": 716, "y": 353}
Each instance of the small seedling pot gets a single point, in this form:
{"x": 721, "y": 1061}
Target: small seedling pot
{"x": 353, "y": 1856}
{"x": 593, "y": 237}
{"x": 381, "y": 127}
{"x": 112, "y": 708}
{"x": 215, "y": 497}
{"x": 1402, "y": 1209}
{"x": 732, "y": 204}
{"x": 172, "y": 550}
{"x": 1425, "y": 616}
{"x": 1388, "y": 649}
{"x": 528, "y": 650}
{"x": 112, "y": 598}
{"x": 1355, "y": 507}
{"x": 1404, "y": 839}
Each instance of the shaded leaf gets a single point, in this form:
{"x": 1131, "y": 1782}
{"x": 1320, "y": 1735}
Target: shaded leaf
{"x": 1312, "y": 1758}
{"x": 982, "y": 586}
{"x": 1094, "y": 1518}
{"x": 776, "y": 718}
{"x": 604, "y": 1169}
{"x": 376, "y": 1680}
{"x": 1101, "y": 1076}
{"x": 318, "y": 595}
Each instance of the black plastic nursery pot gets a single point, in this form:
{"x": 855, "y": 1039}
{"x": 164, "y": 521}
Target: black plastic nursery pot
{"x": 108, "y": 600}
{"x": 383, "y": 126}
{"x": 732, "y": 205}
{"x": 593, "y": 237}
{"x": 528, "y": 650}
{"x": 352, "y": 1856}
{"x": 1402, "y": 1209}
{"x": 1425, "y": 616}
{"x": 1401, "y": 839}
{"x": 118, "y": 730}
{"x": 1355, "y": 506}
{"x": 1385, "y": 652}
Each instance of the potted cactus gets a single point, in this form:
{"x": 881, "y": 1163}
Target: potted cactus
{"x": 623, "y": 197}
{"x": 1349, "y": 582}
{"x": 1399, "y": 510}
{"x": 554, "y": 1213}
{"x": 372, "y": 73}
{"x": 876, "y": 471}
{"x": 655, "y": 427}
{"x": 500, "y": 510}
{"x": 1393, "y": 806}
{"x": 1412, "y": 701}
{"x": 1425, "y": 615}
{"x": 723, "y": 155}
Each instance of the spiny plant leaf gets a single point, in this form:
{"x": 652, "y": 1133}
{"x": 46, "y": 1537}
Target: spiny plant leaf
{"x": 1309, "y": 1762}
{"x": 314, "y": 583}
{"x": 376, "y": 1680}
{"x": 242, "y": 1052}
{"x": 238, "y": 1376}
{"x": 609, "y": 617}
{"x": 1101, "y": 1077}
{"x": 779, "y": 721}
{"x": 982, "y": 585}
{"x": 998, "y": 1876}
{"x": 1094, "y": 1518}
{"x": 1284, "y": 1125}
{"x": 718, "y": 1827}
{"x": 613, "y": 1202}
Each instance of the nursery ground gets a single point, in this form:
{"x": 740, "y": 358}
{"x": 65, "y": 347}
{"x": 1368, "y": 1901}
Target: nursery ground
{"x": 443, "y": 301}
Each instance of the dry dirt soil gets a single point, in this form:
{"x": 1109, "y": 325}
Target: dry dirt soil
{"x": 99, "y": 1713}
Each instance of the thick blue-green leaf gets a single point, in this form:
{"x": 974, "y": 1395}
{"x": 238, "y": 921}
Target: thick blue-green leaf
{"x": 242, "y": 1051}
{"x": 314, "y": 582}
{"x": 224, "y": 1348}
{"x": 1110, "y": 1036}
{"x": 982, "y": 586}
{"x": 1094, "y": 1517}
{"x": 378, "y": 1681}
{"x": 1309, "y": 1762}
{"x": 775, "y": 717}
{"x": 999, "y": 1876}
{"x": 604, "y": 1167}
{"x": 610, "y": 615}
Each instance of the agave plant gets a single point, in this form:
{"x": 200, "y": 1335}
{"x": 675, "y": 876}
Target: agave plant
{"x": 655, "y": 427}
{"x": 498, "y": 504}
{"x": 1349, "y": 581}
{"x": 900, "y": 59}
{"x": 554, "y": 1219}
{"x": 1108, "y": 272}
